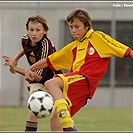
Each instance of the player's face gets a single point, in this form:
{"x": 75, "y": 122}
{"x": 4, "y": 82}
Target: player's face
{"x": 35, "y": 31}
{"x": 77, "y": 29}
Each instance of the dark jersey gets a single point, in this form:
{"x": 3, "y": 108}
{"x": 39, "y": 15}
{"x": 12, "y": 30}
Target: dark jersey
{"x": 43, "y": 49}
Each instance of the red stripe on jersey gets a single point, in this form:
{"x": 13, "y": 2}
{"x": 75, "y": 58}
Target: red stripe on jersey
{"x": 50, "y": 65}
{"x": 127, "y": 52}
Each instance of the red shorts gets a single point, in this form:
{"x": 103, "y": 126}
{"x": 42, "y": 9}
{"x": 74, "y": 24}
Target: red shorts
{"x": 76, "y": 90}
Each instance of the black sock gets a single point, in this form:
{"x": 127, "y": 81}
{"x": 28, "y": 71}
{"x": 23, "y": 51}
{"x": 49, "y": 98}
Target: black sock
{"x": 31, "y": 126}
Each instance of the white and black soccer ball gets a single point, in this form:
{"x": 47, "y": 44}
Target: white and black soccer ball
{"x": 40, "y": 104}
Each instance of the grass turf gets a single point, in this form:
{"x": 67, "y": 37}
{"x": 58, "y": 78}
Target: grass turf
{"x": 87, "y": 119}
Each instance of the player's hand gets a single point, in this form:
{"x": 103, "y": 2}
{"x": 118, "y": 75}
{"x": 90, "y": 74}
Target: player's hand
{"x": 12, "y": 68}
{"x": 29, "y": 75}
{"x": 9, "y": 62}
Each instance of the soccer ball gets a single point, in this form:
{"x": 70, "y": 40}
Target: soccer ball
{"x": 40, "y": 104}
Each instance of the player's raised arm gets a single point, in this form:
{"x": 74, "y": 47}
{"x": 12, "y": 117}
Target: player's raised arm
{"x": 38, "y": 65}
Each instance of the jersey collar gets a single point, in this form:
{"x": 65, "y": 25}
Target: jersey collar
{"x": 88, "y": 34}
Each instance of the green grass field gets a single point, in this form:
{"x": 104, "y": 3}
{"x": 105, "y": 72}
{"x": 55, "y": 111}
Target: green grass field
{"x": 87, "y": 119}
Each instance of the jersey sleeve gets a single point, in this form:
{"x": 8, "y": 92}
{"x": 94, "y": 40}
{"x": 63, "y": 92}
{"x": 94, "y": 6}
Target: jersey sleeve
{"x": 108, "y": 47}
{"x": 61, "y": 59}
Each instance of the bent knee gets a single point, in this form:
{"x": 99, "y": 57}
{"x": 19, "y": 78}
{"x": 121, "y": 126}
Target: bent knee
{"x": 57, "y": 81}
{"x": 49, "y": 83}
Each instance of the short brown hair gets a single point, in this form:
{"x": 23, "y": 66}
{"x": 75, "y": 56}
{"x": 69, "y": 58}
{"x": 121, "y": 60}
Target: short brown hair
{"x": 39, "y": 19}
{"x": 82, "y": 15}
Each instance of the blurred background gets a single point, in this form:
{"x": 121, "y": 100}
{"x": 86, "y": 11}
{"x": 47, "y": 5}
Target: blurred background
{"x": 113, "y": 18}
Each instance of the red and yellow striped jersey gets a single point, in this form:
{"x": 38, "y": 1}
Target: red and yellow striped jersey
{"x": 89, "y": 56}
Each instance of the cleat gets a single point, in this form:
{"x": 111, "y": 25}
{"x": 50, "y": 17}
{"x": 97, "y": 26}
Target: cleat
{"x": 70, "y": 129}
